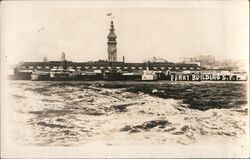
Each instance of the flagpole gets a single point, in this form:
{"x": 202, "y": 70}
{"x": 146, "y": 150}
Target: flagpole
{"x": 110, "y": 15}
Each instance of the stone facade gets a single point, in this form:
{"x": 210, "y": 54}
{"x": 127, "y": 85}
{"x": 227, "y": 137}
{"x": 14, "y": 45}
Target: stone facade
{"x": 112, "y": 48}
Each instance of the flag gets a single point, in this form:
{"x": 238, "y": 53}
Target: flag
{"x": 109, "y": 14}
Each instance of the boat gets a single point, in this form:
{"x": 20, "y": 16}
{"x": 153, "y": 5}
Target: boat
{"x": 88, "y": 76}
{"x": 149, "y": 75}
{"x": 40, "y": 76}
{"x": 131, "y": 76}
{"x": 21, "y": 74}
{"x": 112, "y": 76}
{"x": 60, "y": 74}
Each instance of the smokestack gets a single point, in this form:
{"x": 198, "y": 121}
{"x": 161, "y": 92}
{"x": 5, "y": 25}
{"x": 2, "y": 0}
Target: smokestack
{"x": 123, "y": 59}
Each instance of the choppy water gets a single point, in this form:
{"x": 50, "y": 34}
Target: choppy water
{"x": 73, "y": 113}
{"x": 198, "y": 95}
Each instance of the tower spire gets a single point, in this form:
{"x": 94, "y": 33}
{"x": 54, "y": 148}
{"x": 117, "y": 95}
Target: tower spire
{"x": 112, "y": 29}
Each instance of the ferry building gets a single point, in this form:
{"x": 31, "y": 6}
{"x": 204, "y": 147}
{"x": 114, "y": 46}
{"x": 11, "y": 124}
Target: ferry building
{"x": 111, "y": 63}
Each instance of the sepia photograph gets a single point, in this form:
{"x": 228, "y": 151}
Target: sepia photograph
{"x": 124, "y": 79}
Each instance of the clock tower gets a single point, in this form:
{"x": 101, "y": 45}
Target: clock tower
{"x": 112, "y": 50}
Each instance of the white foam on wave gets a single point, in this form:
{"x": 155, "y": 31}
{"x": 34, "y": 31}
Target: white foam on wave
{"x": 90, "y": 116}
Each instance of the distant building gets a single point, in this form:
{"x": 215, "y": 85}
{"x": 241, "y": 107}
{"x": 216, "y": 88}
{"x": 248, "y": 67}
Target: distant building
{"x": 63, "y": 56}
{"x": 205, "y": 61}
{"x": 155, "y": 59}
{"x": 45, "y": 59}
{"x": 112, "y": 49}
{"x": 191, "y": 62}
{"x": 233, "y": 64}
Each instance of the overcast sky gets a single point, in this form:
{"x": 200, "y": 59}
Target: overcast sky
{"x": 32, "y": 30}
